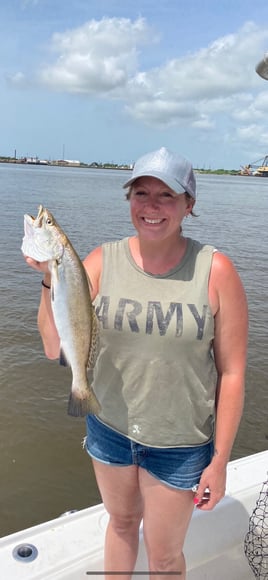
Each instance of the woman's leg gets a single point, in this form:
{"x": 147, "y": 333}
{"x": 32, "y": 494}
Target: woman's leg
{"x": 119, "y": 488}
{"x": 166, "y": 517}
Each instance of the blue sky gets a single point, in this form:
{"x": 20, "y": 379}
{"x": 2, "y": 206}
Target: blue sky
{"x": 109, "y": 80}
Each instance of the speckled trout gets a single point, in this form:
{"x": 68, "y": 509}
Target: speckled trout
{"x": 73, "y": 312}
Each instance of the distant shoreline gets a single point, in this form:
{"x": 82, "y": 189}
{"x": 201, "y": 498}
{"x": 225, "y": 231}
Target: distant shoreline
{"x": 63, "y": 163}
{"x": 78, "y": 165}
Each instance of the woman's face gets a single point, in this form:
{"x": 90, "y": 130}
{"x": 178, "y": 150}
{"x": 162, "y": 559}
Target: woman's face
{"x": 156, "y": 210}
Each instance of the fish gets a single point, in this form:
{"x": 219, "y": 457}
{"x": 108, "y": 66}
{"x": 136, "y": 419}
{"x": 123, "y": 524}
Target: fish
{"x": 74, "y": 314}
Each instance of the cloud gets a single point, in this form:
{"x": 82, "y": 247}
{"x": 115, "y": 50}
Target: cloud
{"x": 17, "y": 80}
{"x": 204, "y": 122}
{"x": 104, "y": 59}
{"x": 97, "y": 58}
{"x": 251, "y": 133}
{"x": 212, "y": 79}
{"x": 163, "y": 113}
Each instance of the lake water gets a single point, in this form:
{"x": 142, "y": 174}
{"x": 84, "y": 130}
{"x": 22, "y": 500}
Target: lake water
{"x": 44, "y": 470}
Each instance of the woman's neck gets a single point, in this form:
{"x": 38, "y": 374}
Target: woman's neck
{"x": 157, "y": 257}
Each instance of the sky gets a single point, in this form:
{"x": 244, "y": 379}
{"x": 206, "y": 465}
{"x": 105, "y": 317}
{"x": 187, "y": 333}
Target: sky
{"x": 110, "y": 80}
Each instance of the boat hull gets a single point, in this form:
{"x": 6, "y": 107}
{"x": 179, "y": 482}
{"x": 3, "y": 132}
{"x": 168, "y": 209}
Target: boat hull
{"x": 261, "y": 172}
{"x": 71, "y": 547}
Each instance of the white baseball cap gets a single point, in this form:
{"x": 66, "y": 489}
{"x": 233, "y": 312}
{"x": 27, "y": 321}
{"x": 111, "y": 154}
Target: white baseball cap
{"x": 171, "y": 168}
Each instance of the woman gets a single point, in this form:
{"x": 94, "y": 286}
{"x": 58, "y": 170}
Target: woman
{"x": 170, "y": 373}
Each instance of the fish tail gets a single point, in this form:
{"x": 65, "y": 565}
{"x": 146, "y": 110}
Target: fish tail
{"x": 80, "y": 406}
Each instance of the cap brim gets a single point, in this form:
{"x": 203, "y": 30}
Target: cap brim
{"x": 171, "y": 183}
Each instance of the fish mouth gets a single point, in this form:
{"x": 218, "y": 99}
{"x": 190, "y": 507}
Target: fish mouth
{"x": 40, "y": 212}
{"x": 29, "y": 219}
{"x": 39, "y": 243}
{"x": 35, "y": 222}
{"x": 39, "y": 218}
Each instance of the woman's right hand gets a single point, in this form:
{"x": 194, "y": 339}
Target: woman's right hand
{"x": 39, "y": 266}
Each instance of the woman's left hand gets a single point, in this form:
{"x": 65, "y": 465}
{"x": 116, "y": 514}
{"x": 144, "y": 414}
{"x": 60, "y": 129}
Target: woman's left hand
{"x": 211, "y": 488}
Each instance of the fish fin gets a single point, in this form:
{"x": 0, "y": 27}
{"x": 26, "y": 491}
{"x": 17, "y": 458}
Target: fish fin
{"x": 54, "y": 278}
{"x": 54, "y": 269}
{"x": 95, "y": 340}
{"x": 89, "y": 282}
{"x": 88, "y": 405}
{"x": 63, "y": 359}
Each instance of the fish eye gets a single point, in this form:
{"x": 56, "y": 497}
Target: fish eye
{"x": 49, "y": 222}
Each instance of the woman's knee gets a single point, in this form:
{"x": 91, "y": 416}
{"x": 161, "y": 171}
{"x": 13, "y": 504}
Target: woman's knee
{"x": 125, "y": 523}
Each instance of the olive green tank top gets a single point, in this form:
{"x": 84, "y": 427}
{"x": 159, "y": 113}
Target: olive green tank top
{"x": 155, "y": 375}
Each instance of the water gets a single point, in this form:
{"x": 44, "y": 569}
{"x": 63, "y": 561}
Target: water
{"x": 44, "y": 470}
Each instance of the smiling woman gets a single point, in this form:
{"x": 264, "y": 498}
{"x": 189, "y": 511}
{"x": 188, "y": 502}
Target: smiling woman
{"x": 161, "y": 194}
{"x": 157, "y": 213}
{"x": 170, "y": 372}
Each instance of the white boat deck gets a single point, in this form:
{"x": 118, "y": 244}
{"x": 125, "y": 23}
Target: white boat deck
{"x": 71, "y": 547}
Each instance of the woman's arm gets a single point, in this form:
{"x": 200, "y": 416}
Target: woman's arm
{"x": 45, "y": 320}
{"x": 93, "y": 266}
{"x": 228, "y": 302}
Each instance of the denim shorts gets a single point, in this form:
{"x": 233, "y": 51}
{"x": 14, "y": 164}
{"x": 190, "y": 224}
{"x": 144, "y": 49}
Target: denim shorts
{"x": 177, "y": 467}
